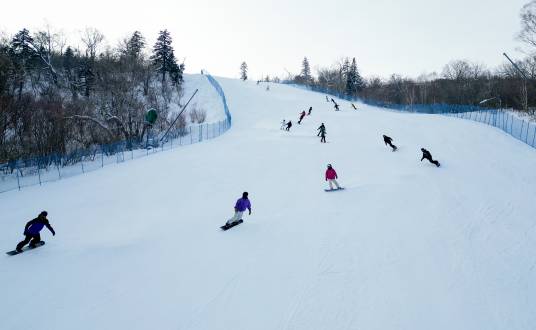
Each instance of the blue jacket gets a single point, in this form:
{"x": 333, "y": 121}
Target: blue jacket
{"x": 34, "y": 226}
{"x": 242, "y": 204}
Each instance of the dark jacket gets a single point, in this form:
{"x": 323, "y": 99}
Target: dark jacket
{"x": 426, "y": 155}
{"x": 34, "y": 226}
{"x": 387, "y": 139}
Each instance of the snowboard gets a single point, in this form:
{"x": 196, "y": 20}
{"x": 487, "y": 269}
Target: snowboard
{"x": 226, "y": 226}
{"x": 329, "y": 190}
{"x": 26, "y": 248}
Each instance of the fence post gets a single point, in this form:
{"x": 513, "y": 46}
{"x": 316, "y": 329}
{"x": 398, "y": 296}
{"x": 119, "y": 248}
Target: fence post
{"x": 191, "y": 137}
{"x": 533, "y": 136}
{"x": 39, "y": 173}
{"x": 527, "y": 134}
{"x": 511, "y": 124}
{"x": 102, "y": 155}
{"x": 521, "y": 133}
{"x": 82, "y": 162}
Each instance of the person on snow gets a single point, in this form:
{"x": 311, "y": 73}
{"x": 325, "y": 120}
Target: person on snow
{"x": 388, "y": 141}
{"x": 323, "y": 137}
{"x": 32, "y": 229}
{"x": 289, "y": 125}
{"x": 427, "y": 155}
{"x": 309, "y": 112}
{"x": 302, "y": 115}
{"x": 332, "y": 100}
{"x": 336, "y": 107}
{"x": 327, "y": 98}
{"x": 242, "y": 204}
{"x": 283, "y": 124}
{"x": 321, "y": 129}
{"x": 331, "y": 177}
{"x": 353, "y": 106}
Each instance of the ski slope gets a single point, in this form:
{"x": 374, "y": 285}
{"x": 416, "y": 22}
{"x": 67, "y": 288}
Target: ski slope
{"x": 405, "y": 246}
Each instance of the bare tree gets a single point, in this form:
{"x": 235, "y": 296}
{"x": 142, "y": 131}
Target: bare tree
{"x": 92, "y": 38}
{"x": 528, "y": 24}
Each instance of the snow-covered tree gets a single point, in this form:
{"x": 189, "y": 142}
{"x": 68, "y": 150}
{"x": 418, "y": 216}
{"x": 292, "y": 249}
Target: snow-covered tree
{"x": 354, "y": 81}
{"x": 22, "y": 54}
{"x": 306, "y": 71}
{"x": 244, "y": 71}
{"x": 164, "y": 58}
{"x": 135, "y": 45}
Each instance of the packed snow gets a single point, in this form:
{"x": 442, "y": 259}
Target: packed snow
{"x": 405, "y": 246}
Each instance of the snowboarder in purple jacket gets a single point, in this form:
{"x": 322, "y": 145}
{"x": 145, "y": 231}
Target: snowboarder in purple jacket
{"x": 241, "y": 205}
{"x": 32, "y": 229}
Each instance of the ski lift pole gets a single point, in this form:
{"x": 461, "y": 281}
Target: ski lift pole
{"x": 180, "y": 113}
{"x": 516, "y": 67}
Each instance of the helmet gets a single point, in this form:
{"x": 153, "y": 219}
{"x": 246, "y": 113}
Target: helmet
{"x": 43, "y": 214}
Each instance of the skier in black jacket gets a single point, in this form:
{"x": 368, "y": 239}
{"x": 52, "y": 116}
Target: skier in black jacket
{"x": 321, "y": 129}
{"x": 427, "y": 155}
{"x": 32, "y": 229}
{"x": 388, "y": 141}
{"x": 289, "y": 125}
{"x": 310, "y": 110}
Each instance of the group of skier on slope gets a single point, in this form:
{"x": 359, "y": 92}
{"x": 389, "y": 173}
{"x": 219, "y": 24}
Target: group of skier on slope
{"x": 33, "y": 228}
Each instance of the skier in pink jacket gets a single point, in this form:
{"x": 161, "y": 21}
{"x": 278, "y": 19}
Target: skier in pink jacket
{"x": 331, "y": 177}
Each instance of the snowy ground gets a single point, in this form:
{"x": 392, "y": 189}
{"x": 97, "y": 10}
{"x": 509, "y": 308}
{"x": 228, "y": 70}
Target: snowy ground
{"x": 207, "y": 99}
{"x": 405, "y": 246}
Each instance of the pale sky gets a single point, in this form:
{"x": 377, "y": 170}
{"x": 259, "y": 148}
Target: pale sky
{"x": 407, "y": 37}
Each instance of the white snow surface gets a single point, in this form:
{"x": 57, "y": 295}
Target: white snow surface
{"x": 207, "y": 99}
{"x": 405, "y": 246}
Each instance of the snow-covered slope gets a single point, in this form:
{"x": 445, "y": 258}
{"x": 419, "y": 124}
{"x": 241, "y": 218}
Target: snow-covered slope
{"x": 405, "y": 246}
{"x": 207, "y": 98}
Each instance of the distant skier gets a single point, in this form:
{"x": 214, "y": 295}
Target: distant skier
{"x": 323, "y": 137}
{"x": 32, "y": 229}
{"x": 289, "y": 125}
{"x": 302, "y": 115}
{"x": 388, "y": 141}
{"x": 331, "y": 177}
{"x": 310, "y": 110}
{"x": 353, "y": 106}
{"x": 327, "y": 98}
{"x": 242, "y": 204}
{"x": 336, "y": 107}
{"x": 427, "y": 155}
{"x": 321, "y": 129}
{"x": 332, "y": 100}
{"x": 283, "y": 124}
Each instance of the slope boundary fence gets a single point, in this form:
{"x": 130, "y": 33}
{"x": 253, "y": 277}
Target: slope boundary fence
{"x": 27, "y": 172}
{"x": 521, "y": 129}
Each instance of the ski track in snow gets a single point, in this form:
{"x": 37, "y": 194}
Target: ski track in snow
{"x": 405, "y": 246}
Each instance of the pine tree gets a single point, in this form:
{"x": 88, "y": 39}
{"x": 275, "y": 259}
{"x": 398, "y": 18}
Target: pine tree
{"x": 21, "y": 45}
{"x": 22, "y": 54}
{"x": 163, "y": 56}
{"x": 69, "y": 63}
{"x": 135, "y": 45}
{"x": 354, "y": 81}
{"x": 306, "y": 71}
{"x": 244, "y": 71}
